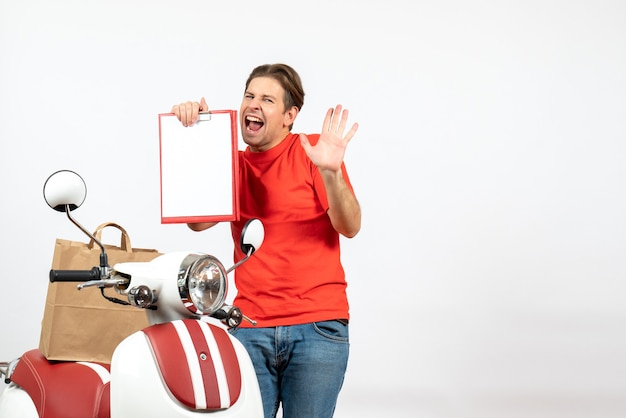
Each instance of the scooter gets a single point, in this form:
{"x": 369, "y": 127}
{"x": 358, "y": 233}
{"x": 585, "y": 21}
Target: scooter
{"x": 184, "y": 364}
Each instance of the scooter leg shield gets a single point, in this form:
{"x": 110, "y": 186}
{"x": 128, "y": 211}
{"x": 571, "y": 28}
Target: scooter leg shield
{"x": 183, "y": 369}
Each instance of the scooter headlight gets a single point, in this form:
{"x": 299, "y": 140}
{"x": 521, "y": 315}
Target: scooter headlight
{"x": 202, "y": 283}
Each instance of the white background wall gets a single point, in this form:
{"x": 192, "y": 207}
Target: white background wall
{"x": 489, "y": 276}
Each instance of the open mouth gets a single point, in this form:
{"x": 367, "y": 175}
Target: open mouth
{"x": 253, "y": 123}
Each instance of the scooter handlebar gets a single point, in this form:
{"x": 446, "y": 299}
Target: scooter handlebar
{"x": 74, "y": 275}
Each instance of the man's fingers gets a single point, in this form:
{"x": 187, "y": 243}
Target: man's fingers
{"x": 203, "y": 106}
{"x": 189, "y": 115}
{"x": 344, "y": 120}
{"x": 327, "y": 120}
{"x": 337, "y": 115}
{"x": 335, "y": 120}
{"x": 351, "y": 132}
{"x": 304, "y": 141}
{"x": 187, "y": 112}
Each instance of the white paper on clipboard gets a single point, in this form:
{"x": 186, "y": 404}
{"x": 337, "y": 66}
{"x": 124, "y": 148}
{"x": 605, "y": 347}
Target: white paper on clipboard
{"x": 199, "y": 168}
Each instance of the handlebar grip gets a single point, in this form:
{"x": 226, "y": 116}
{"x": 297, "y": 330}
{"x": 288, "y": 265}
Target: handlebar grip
{"x": 74, "y": 275}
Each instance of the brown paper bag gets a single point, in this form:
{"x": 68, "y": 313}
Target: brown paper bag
{"x": 81, "y": 325}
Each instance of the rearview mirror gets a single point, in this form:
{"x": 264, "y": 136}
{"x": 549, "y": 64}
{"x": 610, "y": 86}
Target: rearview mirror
{"x": 252, "y": 236}
{"x": 64, "y": 191}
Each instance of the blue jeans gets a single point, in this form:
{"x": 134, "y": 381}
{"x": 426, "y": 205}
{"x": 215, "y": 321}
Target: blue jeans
{"x": 302, "y": 366}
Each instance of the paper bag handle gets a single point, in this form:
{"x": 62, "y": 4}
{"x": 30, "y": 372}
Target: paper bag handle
{"x": 124, "y": 241}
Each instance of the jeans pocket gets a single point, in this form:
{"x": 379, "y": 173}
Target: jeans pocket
{"x": 332, "y": 330}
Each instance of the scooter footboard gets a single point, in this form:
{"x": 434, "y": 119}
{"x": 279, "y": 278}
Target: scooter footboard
{"x": 183, "y": 368}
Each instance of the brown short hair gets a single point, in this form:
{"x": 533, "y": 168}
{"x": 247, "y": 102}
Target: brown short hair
{"x": 288, "y": 79}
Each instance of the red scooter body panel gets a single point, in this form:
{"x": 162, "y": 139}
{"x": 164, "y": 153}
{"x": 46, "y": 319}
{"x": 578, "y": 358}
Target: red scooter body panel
{"x": 212, "y": 379}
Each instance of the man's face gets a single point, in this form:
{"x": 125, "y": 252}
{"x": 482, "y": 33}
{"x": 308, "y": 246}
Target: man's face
{"x": 264, "y": 120}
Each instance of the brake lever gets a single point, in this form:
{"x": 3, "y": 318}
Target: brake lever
{"x": 102, "y": 283}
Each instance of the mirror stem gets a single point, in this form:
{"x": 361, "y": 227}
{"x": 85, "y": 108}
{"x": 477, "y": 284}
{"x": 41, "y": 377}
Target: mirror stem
{"x": 240, "y": 262}
{"x": 103, "y": 257}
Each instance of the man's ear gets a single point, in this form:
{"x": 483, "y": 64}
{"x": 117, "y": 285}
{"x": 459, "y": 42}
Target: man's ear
{"x": 290, "y": 116}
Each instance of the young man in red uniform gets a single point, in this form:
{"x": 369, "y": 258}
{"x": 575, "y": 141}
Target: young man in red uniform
{"x": 294, "y": 288}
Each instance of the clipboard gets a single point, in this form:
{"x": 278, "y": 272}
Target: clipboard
{"x": 199, "y": 168}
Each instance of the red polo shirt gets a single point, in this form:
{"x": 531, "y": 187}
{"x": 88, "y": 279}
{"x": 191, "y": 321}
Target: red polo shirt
{"x": 296, "y": 277}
